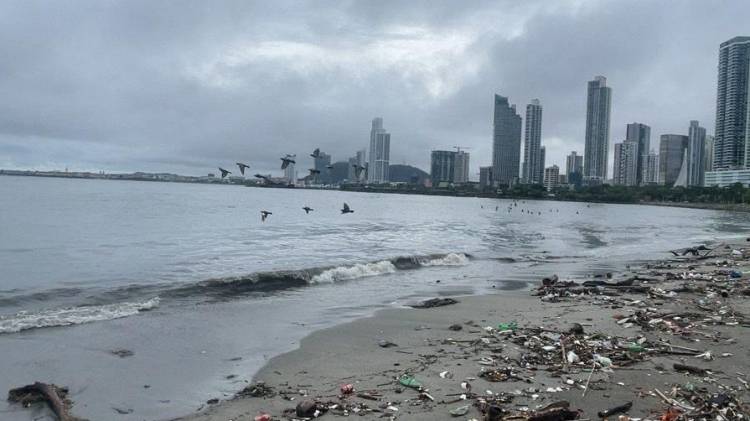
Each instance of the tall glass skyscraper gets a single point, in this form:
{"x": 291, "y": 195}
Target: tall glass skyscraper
{"x": 598, "y": 105}
{"x": 506, "y": 142}
{"x": 641, "y": 134}
{"x": 533, "y": 167}
{"x": 380, "y": 153}
{"x": 695, "y": 154}
{"x": 732, "y": 137}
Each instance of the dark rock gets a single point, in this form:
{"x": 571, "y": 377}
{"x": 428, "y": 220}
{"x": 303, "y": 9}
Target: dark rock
{"x": 306, "y": 408}
{"x": 455, "y": 327}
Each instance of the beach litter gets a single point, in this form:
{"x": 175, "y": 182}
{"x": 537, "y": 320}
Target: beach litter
{"x": 435, "y": 302}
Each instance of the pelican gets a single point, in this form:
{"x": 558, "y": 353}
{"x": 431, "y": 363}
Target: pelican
{"x": 316, "y": 153}
{"x": 346, "y": 209}
{"x": 264, "y": 215}
{"x": 242, "y": 167}
{"x": 307, "y": 209}
{"x": 224, "y": 172}
{"x": 285, "y": 161}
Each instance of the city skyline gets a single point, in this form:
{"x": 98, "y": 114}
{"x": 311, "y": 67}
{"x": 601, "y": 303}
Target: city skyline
{"x": 218, "y": 92}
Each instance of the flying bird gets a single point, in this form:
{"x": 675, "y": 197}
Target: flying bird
{"x": 314, "y": 172}
{"x": 316, "y": 153}
{"x": 264, "y": 215}
{"x": 308, "y": 209}
{"x": 346, "y": 209}
{"x": 329, "y": 167}
{"x": 242, "y": 167}
{"x": 224, "y": 172}
{"x": 261, "y": 176}
{"x": 285, "y": 161}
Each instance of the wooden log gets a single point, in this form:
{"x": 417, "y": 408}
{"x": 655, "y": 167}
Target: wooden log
{"x": 56, "y": 397}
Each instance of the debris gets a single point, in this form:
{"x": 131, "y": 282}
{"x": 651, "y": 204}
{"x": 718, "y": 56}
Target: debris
{"x": 384, "y": 343}
{"x": 306, "y": 408}
{"x": 55, "y": 396}
{"x": 573, "y": 357}
{"x": 455, "y": 327}
{"x": 410, "y": 381}
{"x": 262, "y": 416}
{"x": 257, "y": 390}
{"x": 347, "y": 389}
{"x": 615, "y": 410}
{"x": 212, "y": 401}
{"x": 122, "y": 353}
{"x": 460, "y": 411}
{"x": 504, "y": 327}
{"x": 435, "y": 302}
{"x": 689, "y": 368}
{"x": 576, "y": 329}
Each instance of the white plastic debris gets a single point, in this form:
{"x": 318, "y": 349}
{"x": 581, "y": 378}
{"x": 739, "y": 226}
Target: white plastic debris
{"x": 573, "y": 357}
{"x": 603, "y": 361}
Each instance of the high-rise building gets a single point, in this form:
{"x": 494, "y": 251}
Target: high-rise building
{"x": 461, "y": 167}
{"x": 551, "y": 177}
{"x": 695, "y": 154}
{"x": 380, "y": 153}
{"x": 708, "y": 154}
{"x": 574, "y": 163}
{"x": 533, "y": 167}
{"x": 485, "y": 177}
{"x": 732, "y": 136}
{"x": 506, "y": 142}
{"x": 641, "y": 133}
{"x": 598, "y": 105}
{"x": 671, "y": 152}
{"x": 442, "y": 167}
{"x": 290, "y": 174}
{"x": 321, "y": 164}
{"x": 651, "y": 169}
{"x": 626, "y": 163}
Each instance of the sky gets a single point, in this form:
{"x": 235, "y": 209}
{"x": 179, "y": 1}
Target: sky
{"x": 186, "y": 86}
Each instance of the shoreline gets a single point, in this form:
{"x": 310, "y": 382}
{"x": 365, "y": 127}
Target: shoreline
{"x": 444, "y": 347}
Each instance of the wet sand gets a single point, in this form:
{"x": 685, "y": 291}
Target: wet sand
{"x": 694, "y": 315}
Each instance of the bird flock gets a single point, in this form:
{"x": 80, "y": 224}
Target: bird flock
{"x": 289, "y": 159}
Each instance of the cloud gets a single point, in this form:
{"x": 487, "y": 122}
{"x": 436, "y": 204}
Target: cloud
{"x": 184, "y": 87}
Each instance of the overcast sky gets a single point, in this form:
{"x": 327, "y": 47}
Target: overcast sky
{"x": 184, "y": 86}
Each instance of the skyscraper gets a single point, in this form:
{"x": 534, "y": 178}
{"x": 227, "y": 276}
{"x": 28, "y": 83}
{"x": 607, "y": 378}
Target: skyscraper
{"x": 651, "y": 169}
{"x": 442, "y": 167}
{"x": 671, "y": 152}
{"x": 626, "y": 163}
{"x": 708, "y": 154}
{"x": 485, "y": 177}
{"x": 321, "y": 164}
{"x": 290, "y": 174}
{"x": 598, "y": 106}
{"x": 695, "y": 154}
{"x": 551, "y": 177}
{"x": 461, "y": 167}
{"x": 574, "y": 163}
{"x": 506, "y": 142}
{"x": 533, "y": 167}
{"x": 731, "y": 139}
{"x": 640, "y": 133}
{"x": 380, "y": 152}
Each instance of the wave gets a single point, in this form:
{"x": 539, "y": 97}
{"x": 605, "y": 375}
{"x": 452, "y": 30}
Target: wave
{"x": 73, "y": 315}
{"x": 361, "y": 270}
{"x": 99, "y": 304}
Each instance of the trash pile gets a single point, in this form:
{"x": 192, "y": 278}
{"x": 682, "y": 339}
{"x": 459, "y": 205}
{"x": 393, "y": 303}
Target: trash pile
{"x": 688, "y": 300}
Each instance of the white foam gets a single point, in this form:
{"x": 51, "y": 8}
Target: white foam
{"x": 360, "y": 270}
{"x": 450, "y": 259}
{"x": 73, "y": 315}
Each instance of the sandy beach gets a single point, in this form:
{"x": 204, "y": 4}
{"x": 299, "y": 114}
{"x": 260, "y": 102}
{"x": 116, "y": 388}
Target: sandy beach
{"x": 508, "y": 356}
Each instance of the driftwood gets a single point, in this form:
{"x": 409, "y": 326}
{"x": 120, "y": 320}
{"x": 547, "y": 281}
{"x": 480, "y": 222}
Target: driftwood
{"x": 55, "y": 396}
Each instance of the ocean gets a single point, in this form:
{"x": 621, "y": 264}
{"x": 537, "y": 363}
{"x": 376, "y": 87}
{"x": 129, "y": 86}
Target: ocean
{"x": 188, "y": 277}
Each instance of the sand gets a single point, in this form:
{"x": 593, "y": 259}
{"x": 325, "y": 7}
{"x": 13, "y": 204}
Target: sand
{"x": 427, "y": 347}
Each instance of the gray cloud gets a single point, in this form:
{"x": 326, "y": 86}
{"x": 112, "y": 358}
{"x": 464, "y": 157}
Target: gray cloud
{"x": 186, "y": 86}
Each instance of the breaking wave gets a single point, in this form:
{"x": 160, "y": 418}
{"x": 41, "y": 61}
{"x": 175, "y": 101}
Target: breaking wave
{"x": 73, "y": 315}
{"x": 361, "y": 270}
{"x": 87, "y": 305}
